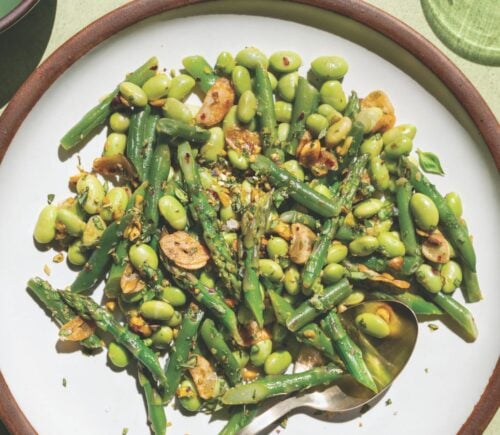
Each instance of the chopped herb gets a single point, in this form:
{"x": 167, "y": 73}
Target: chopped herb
{"x": 284, "y": 422}
{"x": 388, "y": 402}
{"x": 64, "y": 382}
{"x": 125, "y": 431}
{"x": 365, "y": 408}
{"x": 426, "y": 370}
{"x": 433, "y": 326}
{"x": 50, "y": 198}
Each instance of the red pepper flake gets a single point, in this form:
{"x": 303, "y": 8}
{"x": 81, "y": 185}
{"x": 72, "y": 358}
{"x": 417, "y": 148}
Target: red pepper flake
{"x": 286, "y": 61}
{"x": 301, "y": 116}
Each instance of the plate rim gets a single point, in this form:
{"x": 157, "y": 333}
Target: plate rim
{"x": 16, "y": 14}
{"x": 376, "y": 19}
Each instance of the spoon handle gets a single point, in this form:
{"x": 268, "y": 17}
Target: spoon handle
{"x": 270, "y": 415}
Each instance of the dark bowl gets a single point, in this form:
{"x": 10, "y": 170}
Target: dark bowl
{"x": 16, "y": 14}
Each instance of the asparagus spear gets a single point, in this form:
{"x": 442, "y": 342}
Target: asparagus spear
{"x": 317, "y": 304}
{"x": 220, "y": 350}
{"x": 184, "y": 343}
{"x": 253, "y": 225}
{"x": 241, "y": 418}
{"x": 154, "y": 404}
{"x": 221, "y": 255}
{"x": 416, "y": 302}
{"x": 353, "y": 107}
{"x": 299, "y": 191}
{"x": 270, "y": 386}
{"x": 357, "y": 133}
{"x": 294, "y": 216}
{"x": 265, "y": 113}
{"x": 105, "y": 321}
{"x": 208, "y": 298}
{"x": 182, "y": 130}
{"x": 306, "y": 101}
{"x": 348, "y": 350}
{"x": 97, "y": 116}
{"x": 60, "y": 312}
{"x": 406, "y": 226}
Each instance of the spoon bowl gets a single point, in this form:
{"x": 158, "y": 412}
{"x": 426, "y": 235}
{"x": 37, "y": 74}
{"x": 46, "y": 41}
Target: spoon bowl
{"x": 384, "y": 357}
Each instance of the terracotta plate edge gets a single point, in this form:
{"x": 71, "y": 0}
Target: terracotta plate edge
{"x": 131, "y": 13}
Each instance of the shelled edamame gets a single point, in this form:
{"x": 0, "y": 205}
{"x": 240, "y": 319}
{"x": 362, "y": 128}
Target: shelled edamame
{"x": 231, "y": 233}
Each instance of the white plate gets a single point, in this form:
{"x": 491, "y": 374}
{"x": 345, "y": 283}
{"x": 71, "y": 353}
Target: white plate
{"x": 439, "y": 387}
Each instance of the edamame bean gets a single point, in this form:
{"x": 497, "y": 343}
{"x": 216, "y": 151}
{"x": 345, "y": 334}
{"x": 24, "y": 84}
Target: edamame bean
{"x": 227, "y": 213}
{"x": 379, "y": 173}
{"x": 214, "y": 146}
{"x": 119, "y": 122}
{"x": 237, "y": 160}
{"x": 230, "y": 120}
{"x": 287, "y": 86}
{"x": 369, "y": 117}
{"x": 451, "y": 275}
{"x": 402, "y": 146}
{"x": 395, "y": 133}
{"x": 329, "y": 113}
{"x": 250, "y": 57}
{"x": 373, "y": 325}
{"x": 133, "y": 94}
{"x": 294, "y": 168}
{"x": 332, "y": 273}
{"x": 143, "y": 256}
{"x": 368, "y": 208}
{"x": 247, "y": 106}
{"x": 173, "y": 295}
{"x": 73, "y": 224}
{"x": 157, "y": 86}
{"x": 337, "y": 252}
{"x": 273, "y": 80}
{"x": 285, "y": 61}
{"x": 175, "y": 109}
{"x": 323, "y": 190}
{"x": 277, "y": 362}
{"x": 424, "y": 211}
{"x": 391, "y": 245}
{"x": 283, "y": 111}
{"x": 283, "y": 130}
{"x": 115, "y": 144}
{"x": 270, "y": 269}
{"x": 181, "y": 86}
{"x": 317, "y": 124}
{"x": 93, "y": 231}
{"x": 118, "y": 355}
{"x": 241, "y": 79}
{"x": 77, "y": 255}
{"x": 373, "y": 145}
{"x": 291, "y": 280}
{"x": 354, "y": 298}
{"x": 364, "y": 245}
{"x": 188, "y": 396}
{"x": 260, "y": 351}
{"x": 173, "y": 212}
{"x": 277, "y": 247}
{"x": 114, "y": 204}
{"x": 242, "y": 357}
{"x": 453, "y": 201}
{"x": 156, "y": 310}
{"x": 429, "y": 278}
{"x": 338, "y": 131}
{"x": 329, "y": 67}
{"x": 175, "y": 320}
{"x": 225, "y": 63}
{"x": 90, "y": 193}
{"x": 331, "y": 93}
{"x": 162, "y": 337}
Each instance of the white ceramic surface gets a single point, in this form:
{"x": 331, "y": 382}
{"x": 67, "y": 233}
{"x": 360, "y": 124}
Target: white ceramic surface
{"x": 442, "y": 382}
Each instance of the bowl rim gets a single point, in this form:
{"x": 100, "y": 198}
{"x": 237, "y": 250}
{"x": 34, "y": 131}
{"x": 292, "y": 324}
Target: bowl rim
{"x": 103, "y": 28}
{"x": 16, "y": 14}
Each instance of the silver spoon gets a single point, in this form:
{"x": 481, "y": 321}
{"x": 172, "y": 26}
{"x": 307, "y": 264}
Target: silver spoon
{"x": 385, "y": 359}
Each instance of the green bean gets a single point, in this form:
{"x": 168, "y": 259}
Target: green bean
{"x": 353, "y": 106}
{"x": 294, "y": 217}
{"x": 417, "y": 303}
{"x": 199, "y": 68}
{"x": 266, "y": 109}
{"x": 98, "y": 115}
{"x": 406, "y": 227}
{"x": 239, "y": 419}
{"x": 154, "y": 405}
{"x": 313, "y": 336}
{"x": 182, "y": 130}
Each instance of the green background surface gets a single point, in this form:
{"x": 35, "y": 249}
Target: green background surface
{"x": 53, "y": 22}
